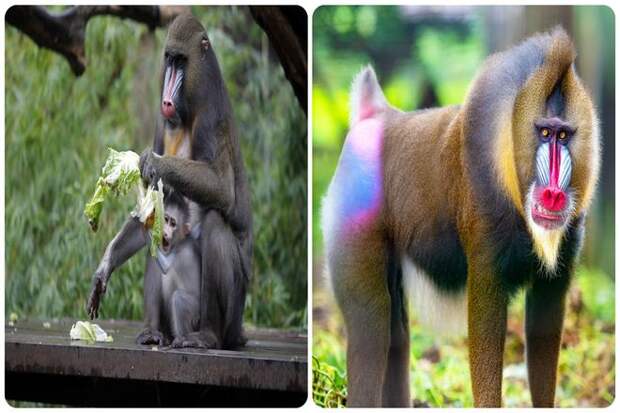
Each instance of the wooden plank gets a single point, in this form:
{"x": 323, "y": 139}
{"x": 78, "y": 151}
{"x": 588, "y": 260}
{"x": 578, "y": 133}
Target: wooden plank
{"x": 271, "y": 360}
{"x": 131, "y": 328}
{"x": 124, "y": 333}
{"x": 101, "y": 392}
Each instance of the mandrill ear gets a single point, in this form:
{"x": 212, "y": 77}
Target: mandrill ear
{"x": 186, "y": 229}
{"x": 204, "y": 43}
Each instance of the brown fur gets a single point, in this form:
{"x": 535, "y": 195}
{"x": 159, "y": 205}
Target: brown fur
{"x": 431, "y": 182}
{"x": 368, "y": 302}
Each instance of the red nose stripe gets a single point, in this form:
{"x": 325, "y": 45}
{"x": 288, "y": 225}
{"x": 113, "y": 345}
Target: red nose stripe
{"x": 554, "y": 163}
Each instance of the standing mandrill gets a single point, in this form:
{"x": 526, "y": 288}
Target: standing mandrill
{"x": 463, "y": 206}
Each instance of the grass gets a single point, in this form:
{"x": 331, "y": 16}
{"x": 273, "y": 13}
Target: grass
{"x": 439, "y": 370}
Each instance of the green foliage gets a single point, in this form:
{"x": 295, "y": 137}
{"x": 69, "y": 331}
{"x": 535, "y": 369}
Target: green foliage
{"x": 329, "y": 382}
{"x": 439, "y": 373}
{"x": 598, "y": 295}
{"x": 57, "y": 131}
{"x": 451, "y": 80}
{"x": 328, "y": 385}
{"x": 58, "y": 128}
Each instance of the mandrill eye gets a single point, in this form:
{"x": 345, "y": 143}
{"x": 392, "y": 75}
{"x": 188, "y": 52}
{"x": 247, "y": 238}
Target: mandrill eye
{"x": 544, "y": 132}
{"x": 562, "y": 135}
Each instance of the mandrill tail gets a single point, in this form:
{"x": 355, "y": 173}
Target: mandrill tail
{"x": 367, "y": 99}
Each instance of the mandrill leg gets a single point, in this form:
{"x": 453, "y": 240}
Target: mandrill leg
{"x": 487, "y": 308}
{"x": 361, "y": 290}
{"x": 223, "y": 287}
{"x": 544, "y": 316}
{"x": 396, "y": 387}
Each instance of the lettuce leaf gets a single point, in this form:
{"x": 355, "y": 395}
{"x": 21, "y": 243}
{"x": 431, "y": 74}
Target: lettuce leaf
{"x": 157, "y": 231}
{"x": 95, "y": 205}
{"x": 119, "y": 175}
{"x": 150, "y": 211}
{"x": 84, "y": 330}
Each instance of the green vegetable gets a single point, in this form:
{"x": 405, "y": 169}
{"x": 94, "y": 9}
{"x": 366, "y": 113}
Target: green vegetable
{"x": 94, "y": 207}
{"x": 151, "y": 203}
{"x": 157, "y": 232}
{"x": 119, "y": 175}
{"x": 12, "y": 319}
{"x": 84, "y": 330}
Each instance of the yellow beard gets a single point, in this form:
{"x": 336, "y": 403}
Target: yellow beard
{"x": 546, "y": 241}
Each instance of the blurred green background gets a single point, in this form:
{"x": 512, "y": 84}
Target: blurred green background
{"x": 58, "y": 128}
{"x": 427, "y": 56}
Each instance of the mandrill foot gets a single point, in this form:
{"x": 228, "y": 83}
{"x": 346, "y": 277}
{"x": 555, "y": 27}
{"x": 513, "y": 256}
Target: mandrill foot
{"x": 149, "y": 336}
{"x": 197, "y": 339}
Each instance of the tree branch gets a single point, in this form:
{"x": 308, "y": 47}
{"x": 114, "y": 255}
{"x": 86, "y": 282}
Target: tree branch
{"x": 64, "y": 32}
{"x": 286, "y": 27}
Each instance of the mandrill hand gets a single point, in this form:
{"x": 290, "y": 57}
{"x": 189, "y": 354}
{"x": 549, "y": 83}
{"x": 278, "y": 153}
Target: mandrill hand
{"x": 148, "y": 167}
{"x": 100, "y": 280}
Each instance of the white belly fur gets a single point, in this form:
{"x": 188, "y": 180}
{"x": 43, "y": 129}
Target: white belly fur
{"x": 444, "y": 313}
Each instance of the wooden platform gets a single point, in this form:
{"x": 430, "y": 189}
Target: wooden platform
{"x": 43, "y": 364}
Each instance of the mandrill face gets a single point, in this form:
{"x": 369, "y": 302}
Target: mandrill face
{"x": 550, "y": 197}
{"x": 558, "y": 156}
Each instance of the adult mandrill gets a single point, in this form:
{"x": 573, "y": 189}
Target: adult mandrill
{"x": 464, "y": 205}
{"x": 196, "y": 152}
